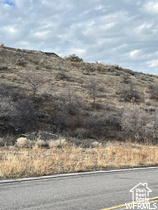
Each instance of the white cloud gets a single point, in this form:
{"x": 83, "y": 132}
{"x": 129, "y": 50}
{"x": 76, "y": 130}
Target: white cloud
{"x": 151, "y": 7}
{"x": 99, "y": 7}
{"x": 135, "y": 53}
{"x": 152, "y": 63}
{"x": 122, "y": 32}
{"x": 10, "y": 29}
{"x": 145, "y": 26}
{"x": 77, "y": 51}
{"x": 41, "y": 34}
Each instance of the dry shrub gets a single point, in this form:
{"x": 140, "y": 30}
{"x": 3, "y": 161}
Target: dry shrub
{"x": 129, "y": 94}
{"x": 42, "y": 144}
{"x": 58, "y": 143}
{"x": 153, "y": 91}
{"x": 2, "y": 143}
{"x": 81, "y": 133}
{"x": 73, "y": 58}
{"x": 139, "y": 124}
{"x": 23, "y": 142}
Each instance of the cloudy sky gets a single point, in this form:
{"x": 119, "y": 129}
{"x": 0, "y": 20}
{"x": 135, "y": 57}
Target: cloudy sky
{"x": 123, "y": 32}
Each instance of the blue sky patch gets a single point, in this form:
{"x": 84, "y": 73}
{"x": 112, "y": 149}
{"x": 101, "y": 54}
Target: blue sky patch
{"x": 10, "y": 3}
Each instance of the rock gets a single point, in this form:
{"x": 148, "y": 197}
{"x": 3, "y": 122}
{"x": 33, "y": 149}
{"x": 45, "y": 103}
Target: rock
{"x": 96, "y": 144}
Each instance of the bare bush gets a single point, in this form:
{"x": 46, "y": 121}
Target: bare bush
{"x": 129, "y": 94}
{"x": 2, "y": 142}
{"x": 9, "y": 91}
{"x": 34, "y": 82}
{"x": 94, "y": 89}
{"x": 152, "y": 127}
{"x": 139, "y": 124}
{"x": 6, "y": 106}
{"x": 102, "y": 125}
{"x": 82, "y": 133}
{"x": 74, "y": 58}
{"x": 7, "y": 113}
{"x": 126, "y": 78}
{"x": 154, "y": 91}
{"x": 25, "y": 118}
{"x": 72, "y": 102}
{"x": 42, "y": 144}
{"x": 16, "y": 114}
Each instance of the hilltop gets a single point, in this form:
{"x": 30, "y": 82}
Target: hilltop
{"x": 73, "y": 98}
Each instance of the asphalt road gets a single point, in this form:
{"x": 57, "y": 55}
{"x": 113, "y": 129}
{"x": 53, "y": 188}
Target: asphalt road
{"x": 90, "y": 192}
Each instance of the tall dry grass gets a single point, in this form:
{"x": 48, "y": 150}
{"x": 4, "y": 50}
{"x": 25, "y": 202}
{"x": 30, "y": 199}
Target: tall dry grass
{"x": 16, "y": 163}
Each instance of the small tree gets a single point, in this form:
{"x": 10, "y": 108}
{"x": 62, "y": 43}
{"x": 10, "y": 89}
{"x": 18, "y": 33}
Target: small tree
{"x": 93, "y": 89}
{"x": 34, "y": 81}
{"x": 73, "y": 102}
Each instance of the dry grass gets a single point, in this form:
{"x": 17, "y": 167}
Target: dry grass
{"x": 16, "y": 163}
{"x": 62, "y": 80}
{"x": 61, "y": 73}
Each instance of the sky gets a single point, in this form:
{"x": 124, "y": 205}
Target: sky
{"x": 115, "y": 32}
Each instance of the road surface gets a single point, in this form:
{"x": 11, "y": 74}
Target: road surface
{"x": 89, "y": 192}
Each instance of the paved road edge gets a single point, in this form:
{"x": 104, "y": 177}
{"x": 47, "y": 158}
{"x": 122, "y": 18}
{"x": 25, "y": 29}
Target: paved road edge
{"x": 72, "y": 174}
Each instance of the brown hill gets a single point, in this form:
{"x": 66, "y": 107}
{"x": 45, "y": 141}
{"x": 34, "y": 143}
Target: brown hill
{"x": 42, "y": 91}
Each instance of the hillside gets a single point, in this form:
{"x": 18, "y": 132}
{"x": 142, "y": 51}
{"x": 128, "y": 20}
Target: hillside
{"x": 73, "y": 98}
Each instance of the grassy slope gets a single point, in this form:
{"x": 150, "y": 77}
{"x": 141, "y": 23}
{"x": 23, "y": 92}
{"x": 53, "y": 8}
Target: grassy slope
{"x": 76, "y": 74}
{"x": 61, "y": 75}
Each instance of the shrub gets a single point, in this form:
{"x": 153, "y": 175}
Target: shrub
{"x": 74, "y": 58}
{"x": 129, "y": 94}
{"x": 2, "y": 143}
{"x": 139, "y": 124}
{"x": 42, "y": 144}
{"x": 34, "y": 81}
{"x": 82, "y": 133}
{"x": 126, "y": 78}
{"x": 21, "y": 63}
{"x": 154, "y": 91}
{"x": 25, "y": 121}
{"x": 94, "y": 88}
{"x": 13, "y": 118}
{"x": 62, "y": 76}
{"x": 7, "y": 113}
{"x": 58, "y": 143}
{"x": 117, "y": 67}
{"x": 23, "y": 142}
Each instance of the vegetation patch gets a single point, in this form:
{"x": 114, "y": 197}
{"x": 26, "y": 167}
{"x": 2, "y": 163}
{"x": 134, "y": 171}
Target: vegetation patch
{"x": 89, "y": 104}
{"x": 25, "y": 162}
